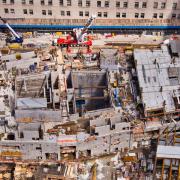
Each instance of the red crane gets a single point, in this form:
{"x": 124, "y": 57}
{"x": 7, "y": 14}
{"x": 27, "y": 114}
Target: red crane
{"x": 78, "y": 37}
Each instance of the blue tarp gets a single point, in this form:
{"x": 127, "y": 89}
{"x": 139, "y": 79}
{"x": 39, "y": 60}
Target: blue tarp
{"x": 32, "y": 26}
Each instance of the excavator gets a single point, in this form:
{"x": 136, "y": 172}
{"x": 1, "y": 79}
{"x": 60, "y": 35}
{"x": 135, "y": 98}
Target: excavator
{"x": 15, "y": 38}
{"x": 77, "y": 36}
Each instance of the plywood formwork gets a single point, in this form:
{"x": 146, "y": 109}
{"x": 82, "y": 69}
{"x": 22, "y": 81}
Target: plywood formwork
{"x": 31, "y": 85}
{"x": 90, "y": 88}
{"x": 38, "y": 116}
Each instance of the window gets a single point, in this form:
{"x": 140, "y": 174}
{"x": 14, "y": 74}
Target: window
{"x": 118, "y": 4}
{"x": 87, "y": 13}
{"x": 155, "y": 15}
{"x": 12, "y": 11}
{"x": 23, "y": 1}
{"x": 42, "y": 2}
{"x": 50, "y": 12}
{"x": 105, "y": 14}
{"x": 80, "y": 13}
{"x": 161, "y": 15}
{"x": 38, "y": 148}
{"x": 43, "y": 12}
{"x": 142, "y": 15}
{"x": 50, "y": 2}
{"x": 31, "y": 2}
{"x": 4, "y": 1}
{"x": 21, "y": 135}
{"x": 99, "y": 14}
{"x": 163, "y": 5}
{"x": 62, "y": 13}
{"x": 80, "y": 3}
{"x": 88, "y": 3}
{"x": 125, "y": 4}
{"x": 6, "y": 10}
{"x": 12, "y": 1}
{"x": 61, "y": 2}
{"x": 174, "y": 6}
{"x": 25, "y": 11}
{"x": 123, "y": 15}
{"x": 69, "y": 3}
{"x": 155, "y": 5}
{"x": 173, "y": 16}
{"x": 144, "y": 5}
{"x": 136, "y": 4}
{"x": 106, "y": 3}
{"x": 136, "y": 15}
{"x": 118, "y": 15}
{"x": 68, "y": 13}
{"x": 98, "y": 3}
{"x": 31, "y": 12}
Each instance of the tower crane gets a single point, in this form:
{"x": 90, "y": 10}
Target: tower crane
{"x": 15, "y": 38}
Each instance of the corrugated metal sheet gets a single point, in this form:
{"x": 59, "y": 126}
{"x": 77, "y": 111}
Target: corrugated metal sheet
{"x": 171, "y": 152}
{"x": 31, "y": 103}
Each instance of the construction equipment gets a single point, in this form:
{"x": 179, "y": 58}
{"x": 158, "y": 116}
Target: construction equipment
{"x": 15, "y": 38}
{"x": 130, "y": 157}
{"x": 78, "y": 36}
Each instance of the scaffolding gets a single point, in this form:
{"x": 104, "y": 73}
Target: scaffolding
{"x": 167, "y": 161}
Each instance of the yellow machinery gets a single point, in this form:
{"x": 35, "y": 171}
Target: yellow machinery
{"x": 14, "y": 46}
{"x": 10, "y": 154}
{"x": 58, "y": 33}
{"x": 130, "y": 157}
{"x": 94, "y": 171}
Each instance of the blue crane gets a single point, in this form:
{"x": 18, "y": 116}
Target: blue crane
{"x": 15, "y": 37}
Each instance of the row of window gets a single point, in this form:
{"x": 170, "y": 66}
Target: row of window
{"x": 86, "y": 13}
{"x": 161, "y": 5}
{"x": 5, "y": 1}
{"x": 12, "y": 11}
{"x": 44, "y": 12}
{"x": 50, "y": 2}
{"x": 142, "y": 15}
{"x": 42, "y": 2}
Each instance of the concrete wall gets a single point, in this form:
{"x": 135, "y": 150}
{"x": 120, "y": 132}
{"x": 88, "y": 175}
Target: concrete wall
{"x": 120, "y": 141}
{"x": 38, "y": 115}
{"x": 32, "y": 150}
{"x": 112, "y": 10}
{"x": 106, "y": 144}
{"x": 97, "y": 147}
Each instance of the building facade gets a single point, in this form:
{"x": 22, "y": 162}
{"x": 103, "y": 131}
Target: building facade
{"x": 81, "y": 9}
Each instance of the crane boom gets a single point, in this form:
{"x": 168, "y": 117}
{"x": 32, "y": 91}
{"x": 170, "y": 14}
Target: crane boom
{"x": 85, "y": 28}
{"x": 89, "y": 22}
{"x": 9, "y": 27}
{"x": 16, "y": 36}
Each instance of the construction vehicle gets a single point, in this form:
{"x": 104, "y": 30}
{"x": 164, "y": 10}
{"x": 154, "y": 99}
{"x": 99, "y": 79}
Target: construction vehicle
{"x": 15, "y": 38}
{"x": 78, "y": 36}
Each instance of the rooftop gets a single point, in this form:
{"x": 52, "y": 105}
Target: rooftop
{"x": 159, "y": 79}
